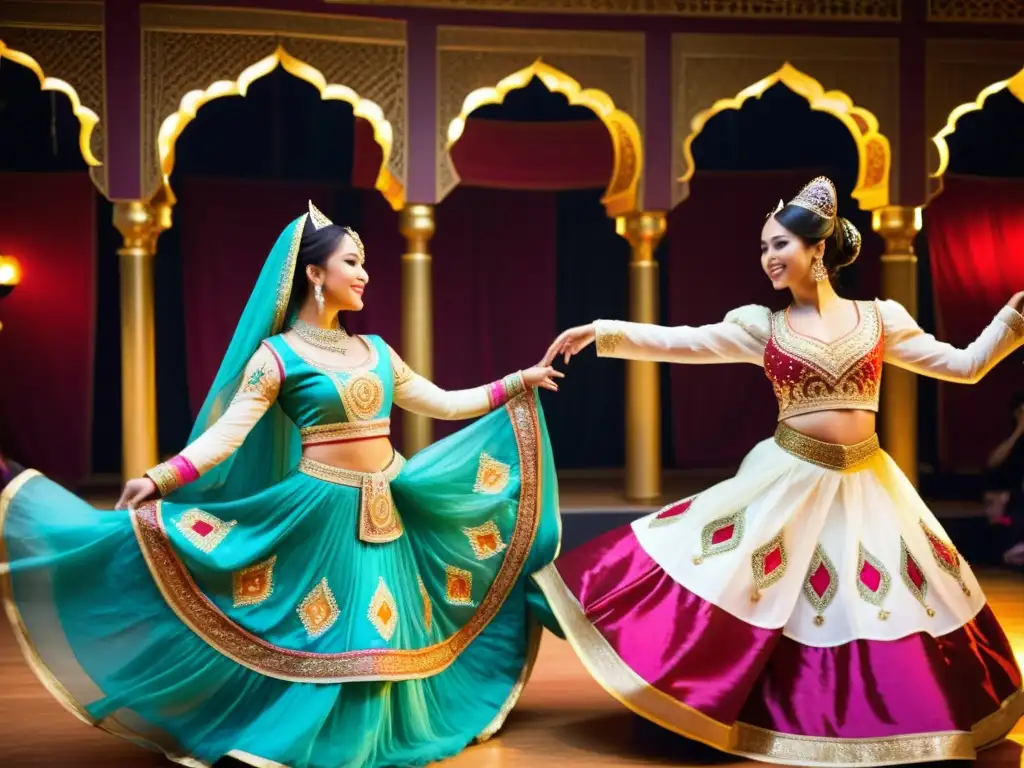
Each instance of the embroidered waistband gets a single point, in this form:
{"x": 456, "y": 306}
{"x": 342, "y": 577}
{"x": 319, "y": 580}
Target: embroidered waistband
{"x": 827, "y": 455}
{"x": 345, "y": 430}
{"x": 349, "y": 477}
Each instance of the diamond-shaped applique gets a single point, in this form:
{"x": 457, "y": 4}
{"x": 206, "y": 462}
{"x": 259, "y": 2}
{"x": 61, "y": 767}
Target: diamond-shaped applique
{"x": 253, "y": 584}
{"x": 383, "y": 612}
{"x": 428, "y": 608}
{"x": 768, "y": 564}
{"x": 721, "y": 535}
{"x": 913, "y": 577}
{"x": 203, "y": 530}
{"x": 458, "y": 586}
{"x": 485, "y": 540}
{"x": 319, "y": 610}
{"x": 873, "y": 580}
{"x": 946, "y": 557}
{"x": 671, "y": 512}
{"x": 821, "y": 583}
{"x": 492, "y": 476}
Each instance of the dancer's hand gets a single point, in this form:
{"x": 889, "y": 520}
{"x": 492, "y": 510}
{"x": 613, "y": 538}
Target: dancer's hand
{"x": 570, "y": 342}
{"x": 1017, "y": 302}
{"x": 542, "y": 375}
{"x": 136, "y": 492}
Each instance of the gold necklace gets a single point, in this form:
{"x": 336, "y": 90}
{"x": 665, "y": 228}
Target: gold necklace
{"x": 331, "y": 339}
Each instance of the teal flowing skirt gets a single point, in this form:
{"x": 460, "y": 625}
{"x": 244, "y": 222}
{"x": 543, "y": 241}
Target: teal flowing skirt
{"x": 265, "y": 629}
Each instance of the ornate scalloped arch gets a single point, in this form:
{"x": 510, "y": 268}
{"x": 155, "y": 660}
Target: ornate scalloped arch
{"x": 873, "y": 151}
{"x": 620, "y": 195}
{"x": 87, "y": 119}
{"x": 1014, "y": 85}
{"x": 174, "y": 124}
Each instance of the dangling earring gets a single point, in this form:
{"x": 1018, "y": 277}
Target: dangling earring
{"x": 818, "y": 271}
{"x": 318, "y": 296}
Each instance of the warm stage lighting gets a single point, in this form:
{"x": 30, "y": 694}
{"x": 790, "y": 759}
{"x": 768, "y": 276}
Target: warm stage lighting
{"x": 10, "y": 274}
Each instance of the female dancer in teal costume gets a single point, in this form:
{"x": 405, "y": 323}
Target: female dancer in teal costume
{"x": 299, "y": 595}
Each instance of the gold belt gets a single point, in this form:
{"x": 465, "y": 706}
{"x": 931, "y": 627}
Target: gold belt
{"x": 379, "y": 521}
{"x": 347, "y": 430}
{"x": 827, "y": 455}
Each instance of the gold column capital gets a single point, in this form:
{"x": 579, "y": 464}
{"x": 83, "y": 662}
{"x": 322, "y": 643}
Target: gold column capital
{"x": 416, "y": 221}
{"x": 643, "y": 230}
{"x": 898, "y": 225}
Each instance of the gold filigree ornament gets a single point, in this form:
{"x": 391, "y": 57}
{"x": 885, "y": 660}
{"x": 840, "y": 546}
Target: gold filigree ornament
{"x": 873, "y": 580}
{"x": 485, "y": 540}
{"x": 383, "y": 611}
{"x": 721, "y": 535}
{"x": 821, "y": 584}
{"x": 203, "y": 530}
{"x": 492, "y": 476}
{"x": 768, "y": 565}
{"x": 363, "y": 395}
{"x": 318, "y": 610}
{"x": 253, "y": 584}
{"x": 913, "y": 577}
{"x": 458, "y": 585}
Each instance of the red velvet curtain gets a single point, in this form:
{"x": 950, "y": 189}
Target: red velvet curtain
{"x": 720, "y": 411}
{"x": 494, "y": 285}
{"x": 975, "y": 232}
{"x": 48, "y": 222}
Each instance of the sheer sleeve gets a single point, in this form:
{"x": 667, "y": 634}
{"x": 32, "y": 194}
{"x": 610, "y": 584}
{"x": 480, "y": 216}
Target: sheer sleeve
{"x": 418, "y": 395}
{"x": 908, "y": 346}
{"x": 261, "y": 383}
{"x": 739, "y": 338}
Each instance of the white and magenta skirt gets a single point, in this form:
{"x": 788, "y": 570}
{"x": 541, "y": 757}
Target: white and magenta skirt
{"x": 810, "y": 610}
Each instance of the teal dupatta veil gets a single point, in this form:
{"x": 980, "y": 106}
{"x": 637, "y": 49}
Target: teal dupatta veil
{"x": 273, "y": 447}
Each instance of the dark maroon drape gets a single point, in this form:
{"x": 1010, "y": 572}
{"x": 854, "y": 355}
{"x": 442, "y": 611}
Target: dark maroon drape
{"x": 720, "y": 411}
{"x": 975, "y": 232}
{"x": 494, "y": 284}
{"x": 48, "y": 222}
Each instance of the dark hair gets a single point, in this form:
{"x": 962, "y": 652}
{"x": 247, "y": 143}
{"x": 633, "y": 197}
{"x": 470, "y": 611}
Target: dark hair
{"x": 1017, "y": 402}
{"x": 315, "y": 248}
{"x": 842, "y": 240}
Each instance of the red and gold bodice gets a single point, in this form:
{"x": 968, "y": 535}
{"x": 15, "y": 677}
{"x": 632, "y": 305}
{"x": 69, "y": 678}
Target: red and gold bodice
{"x": 809, "y": 375}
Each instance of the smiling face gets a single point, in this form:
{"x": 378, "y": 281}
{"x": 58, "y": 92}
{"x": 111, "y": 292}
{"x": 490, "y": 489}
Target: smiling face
{"x": 785, "y": 258}
{"x": 343, "y": 277}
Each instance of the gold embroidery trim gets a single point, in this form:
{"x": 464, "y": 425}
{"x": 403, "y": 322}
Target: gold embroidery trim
{"x": 907, "y": 560}
{"x": 608, "y": 340}
{"x": 873, "y": 596}
{"x": 826, "y": 455}
{"x": 764, "y": 578}
{"x": 383, "y": 611}
{"x": 253, "y": 584}
{"x": 362, "y": 396}
{"x": 349, "y": 477}
{"x": 1013, "y": 320}
{"x": 485, "y": 540}
{"x": 625, "y": 685}
{"x": 832, "y": 360}
{"x": 193, "y": 525}
{"x": 165, "y": 477}
{"x": 819, "y": 561}
{"x": 492, "y": 476}
{"x": 379, "y": 521}
{"x": 428, "y": 608}
{"x": 204, "y": 618}
{"x": 458, "y": 585}
{"x": 318, "y": 610}
{"x": 287, "y": 276}
{"x": 345, "y": 430}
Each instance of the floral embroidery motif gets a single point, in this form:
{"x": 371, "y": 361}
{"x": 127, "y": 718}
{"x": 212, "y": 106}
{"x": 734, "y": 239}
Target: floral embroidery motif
{"x": 821, "y": 583}
{"x": 492, "y": 476}
{"x": 459, "y": 585}
{"x": 362, "y": 396}
{"x": 670, "y": 512}
{"x": 428, "y": 608}
{"x": 379, "y": 522}
{"x": 873, "y": 580}
{"x": 203, "y": 530}
{"x": 608, "y": 341}
{"x": 253, "y": 584}
{"x": 946, "y": 557}
{"x": 261, "y": 381}
{"x": 383, "y": 613}
{"x": 485, "y": 540}
{"x": 768, "y": 565}
{"x": 913, "y": 577}
{"x": 721, "y": 535}
{"x": 319, "y": 610}
{"x": 402, "y": 373}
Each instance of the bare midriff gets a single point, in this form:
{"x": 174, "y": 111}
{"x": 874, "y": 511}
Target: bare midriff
{"x": 840, "y": 427}
{"x": 369, "y": 455}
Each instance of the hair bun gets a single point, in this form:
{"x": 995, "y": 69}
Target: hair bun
{"x": 849, "y": 247}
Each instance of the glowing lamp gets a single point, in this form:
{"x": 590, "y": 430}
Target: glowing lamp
{"x": 10, "y": 274}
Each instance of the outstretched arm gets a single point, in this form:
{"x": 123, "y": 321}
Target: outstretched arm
{"x": 740, "y": 338}
{"x": 418, "y": 395}
{"x": 908, "y": 346}
{"x": 261, "y": 383}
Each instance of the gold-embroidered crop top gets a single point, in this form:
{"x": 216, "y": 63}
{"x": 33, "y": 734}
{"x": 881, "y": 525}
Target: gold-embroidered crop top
{"x": 809, "y": 375}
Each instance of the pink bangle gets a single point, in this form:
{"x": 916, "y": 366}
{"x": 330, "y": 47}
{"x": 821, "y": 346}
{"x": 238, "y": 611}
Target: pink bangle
{"x": 501, "y": 391}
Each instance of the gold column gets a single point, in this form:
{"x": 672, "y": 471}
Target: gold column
{"x": 416, "y": 223}
{"x": 899, "y": 226}
{"x": 139, "y": 224}
{"x": 644, "y": 231}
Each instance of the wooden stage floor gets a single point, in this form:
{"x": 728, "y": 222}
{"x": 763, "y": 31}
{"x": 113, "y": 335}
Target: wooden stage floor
{"x": 563, "y": 719}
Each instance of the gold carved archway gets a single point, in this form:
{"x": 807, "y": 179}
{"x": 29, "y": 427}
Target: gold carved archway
{"x": 173, "y": 126}
{"x": 87, "y": 119}
{"x": 620, "y": 195}
{"x": 1014, "y": 85}
{"x": 873, "y": 151}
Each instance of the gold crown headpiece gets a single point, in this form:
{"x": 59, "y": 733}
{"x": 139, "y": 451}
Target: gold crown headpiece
{"x": 319, "y": 221}
{"x": 818, "y": 196}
